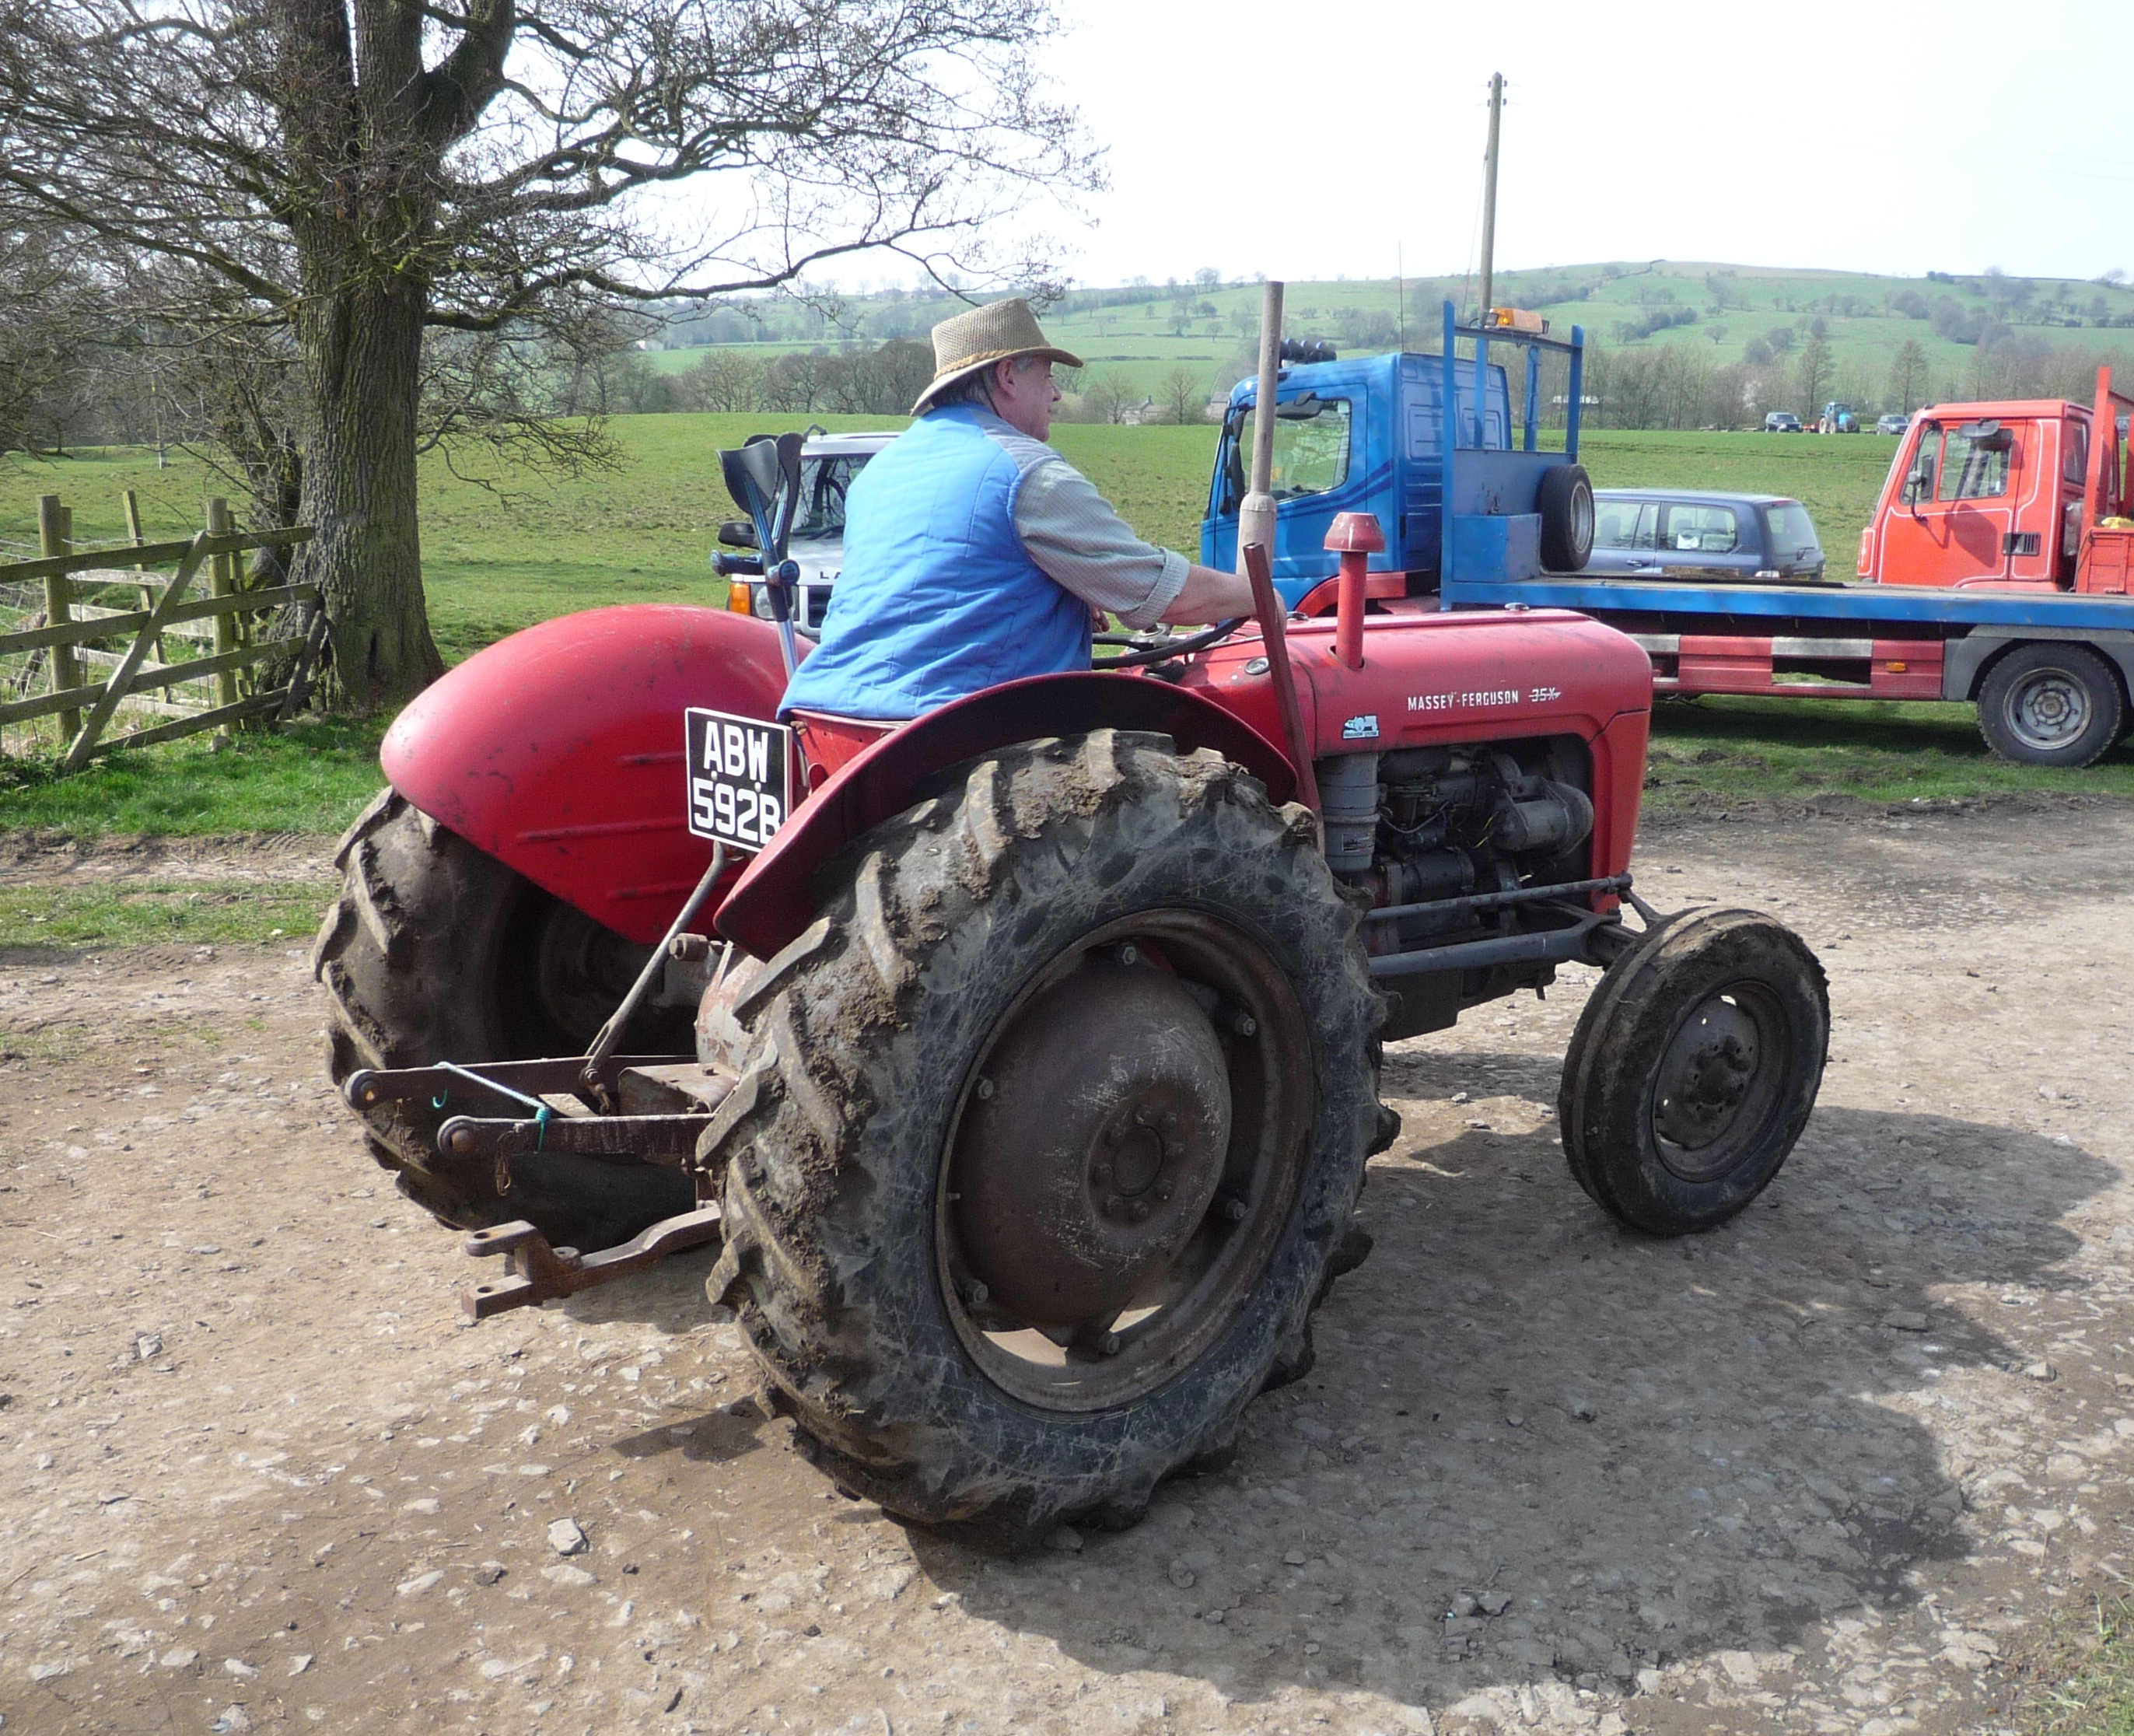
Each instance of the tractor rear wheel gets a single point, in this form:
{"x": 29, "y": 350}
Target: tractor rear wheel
{"x": 436, "y": 951}
{"x": 1050, "y": 1130}
{"x": 1693, "y": 1069}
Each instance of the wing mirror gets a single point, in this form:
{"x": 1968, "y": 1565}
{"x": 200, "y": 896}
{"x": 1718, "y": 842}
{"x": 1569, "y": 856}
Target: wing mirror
{"x": 738, "y": 533}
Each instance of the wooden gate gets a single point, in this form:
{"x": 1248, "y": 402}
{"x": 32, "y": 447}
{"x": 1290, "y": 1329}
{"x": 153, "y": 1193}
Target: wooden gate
{"x": 186, "y": 653}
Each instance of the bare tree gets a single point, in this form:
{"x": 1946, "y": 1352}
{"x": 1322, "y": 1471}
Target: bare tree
{"x": 362, "y": 171}
{"x": 1812, "y": 370}
{"x": 1908, "y": 376}
{"x": 1111, "y": 394}
{"x": 50, "y": 311}
{"x": 1182, "y": 396}
{"x": 724, "y": 379}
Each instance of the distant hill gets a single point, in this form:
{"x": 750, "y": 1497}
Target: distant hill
{"x": 1678, "y": 343}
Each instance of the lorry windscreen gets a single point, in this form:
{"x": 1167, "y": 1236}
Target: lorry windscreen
{"x": 1310, "y": 447}
{"x": 1792, "y": 537}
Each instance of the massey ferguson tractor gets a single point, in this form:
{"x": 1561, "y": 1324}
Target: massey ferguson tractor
{"x": 1021, "y": 1061}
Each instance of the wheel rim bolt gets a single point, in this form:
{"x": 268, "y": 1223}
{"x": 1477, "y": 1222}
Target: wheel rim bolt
{"x": 1114, "y": 1205}
{"x": 1103, "y": 1178}
{"x": 1163, "y": 1190}
{"x": 985, "y": 1089}
{"x": 1129, "y": 954}
{"x": 1139, "y": 1212}
{"x": 1236, "y": 1210}
{"x": 1245, "y": 1025}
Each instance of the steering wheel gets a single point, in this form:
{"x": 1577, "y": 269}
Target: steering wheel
{"x": 1145, "y": 648}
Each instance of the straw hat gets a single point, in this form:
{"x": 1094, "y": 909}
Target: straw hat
{"x": 984, "y": 335}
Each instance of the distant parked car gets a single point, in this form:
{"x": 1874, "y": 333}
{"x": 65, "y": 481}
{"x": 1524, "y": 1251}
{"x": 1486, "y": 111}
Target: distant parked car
{"x": 1892, "y": 423}
{"x": 1782, "y": 422}
{"x": 1653, "y": 533}
{"x": 829, "y": 462}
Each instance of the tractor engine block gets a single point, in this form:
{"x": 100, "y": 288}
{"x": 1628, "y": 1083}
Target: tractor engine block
{"x": 1430, "y": 824}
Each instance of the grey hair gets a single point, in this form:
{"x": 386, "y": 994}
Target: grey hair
{"x": 977, "y": 386}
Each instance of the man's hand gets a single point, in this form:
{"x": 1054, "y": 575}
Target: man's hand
{"x": 1210, "y": 595}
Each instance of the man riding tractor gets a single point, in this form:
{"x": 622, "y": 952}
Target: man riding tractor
{"x": 975, "y": 555}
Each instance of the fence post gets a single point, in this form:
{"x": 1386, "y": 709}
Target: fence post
{"x": 55, "y": 530}
{"x": 132, "y": 504}
{"x": 224, "y": 584}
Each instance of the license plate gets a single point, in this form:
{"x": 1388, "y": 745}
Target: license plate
{"x": 740, "y": 778}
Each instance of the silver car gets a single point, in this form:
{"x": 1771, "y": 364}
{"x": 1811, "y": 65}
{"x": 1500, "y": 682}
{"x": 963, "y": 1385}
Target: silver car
{"x": 829, "y": 462}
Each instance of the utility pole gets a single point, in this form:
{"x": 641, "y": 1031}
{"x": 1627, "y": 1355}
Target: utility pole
{"x": 1400, "y": 292}
{"x": 1490, "y": 190}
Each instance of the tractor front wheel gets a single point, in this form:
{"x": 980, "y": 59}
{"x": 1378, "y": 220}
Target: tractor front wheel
{"x": 1048, "y": 1133}
{"x": 1693, "y": 1069}
{"x": 436, "y": 951}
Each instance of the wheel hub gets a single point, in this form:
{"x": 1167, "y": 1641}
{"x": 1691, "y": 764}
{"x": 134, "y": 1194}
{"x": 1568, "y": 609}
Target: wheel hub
{"x": 2050, "y": 709}
{"x": 1092, "y": 1145}
{"x": 1705, "y": 1075}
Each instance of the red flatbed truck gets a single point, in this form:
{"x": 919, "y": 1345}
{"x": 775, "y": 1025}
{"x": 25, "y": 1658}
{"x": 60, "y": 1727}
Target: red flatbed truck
{"x": 1997, "y": 570}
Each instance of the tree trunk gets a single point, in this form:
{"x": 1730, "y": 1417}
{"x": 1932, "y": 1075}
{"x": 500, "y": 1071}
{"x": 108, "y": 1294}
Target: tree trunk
{"x": 362, "y": 346}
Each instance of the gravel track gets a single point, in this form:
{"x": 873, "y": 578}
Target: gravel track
{"x": 1818, "y": 1471}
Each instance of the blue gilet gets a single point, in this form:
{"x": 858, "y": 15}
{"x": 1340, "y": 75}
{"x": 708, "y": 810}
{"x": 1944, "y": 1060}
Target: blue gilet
{"x": 937, "y": 597}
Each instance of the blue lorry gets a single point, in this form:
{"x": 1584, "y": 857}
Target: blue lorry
{"x": 2049, "y": 670}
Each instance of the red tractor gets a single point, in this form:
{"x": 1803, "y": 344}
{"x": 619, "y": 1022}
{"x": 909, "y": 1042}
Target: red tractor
{"x": 1035, "y": 1054}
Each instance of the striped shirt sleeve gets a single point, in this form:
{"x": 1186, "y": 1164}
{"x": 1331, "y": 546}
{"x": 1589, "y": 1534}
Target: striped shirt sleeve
{"x": 1081, "y": 544}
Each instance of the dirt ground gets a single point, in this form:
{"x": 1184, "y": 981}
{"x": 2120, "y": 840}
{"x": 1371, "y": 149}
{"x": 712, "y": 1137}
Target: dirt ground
{"x": 1817, "y": 1472}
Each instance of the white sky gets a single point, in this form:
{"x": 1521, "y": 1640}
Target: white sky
{"x": 1895, "y": 136}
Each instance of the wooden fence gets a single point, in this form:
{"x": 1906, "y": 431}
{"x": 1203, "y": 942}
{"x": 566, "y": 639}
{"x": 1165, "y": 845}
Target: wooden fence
{"x": 200, "y": 652}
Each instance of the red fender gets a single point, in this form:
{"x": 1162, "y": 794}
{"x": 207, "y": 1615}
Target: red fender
{"x": 559, "y": 751}
{"x": 774, "y": 901}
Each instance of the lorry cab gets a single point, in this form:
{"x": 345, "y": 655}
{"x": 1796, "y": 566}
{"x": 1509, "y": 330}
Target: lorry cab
{"x": 1369, "y": 435}
{"x": 1359, "y": 436}
{"x": 2017, "y": 495}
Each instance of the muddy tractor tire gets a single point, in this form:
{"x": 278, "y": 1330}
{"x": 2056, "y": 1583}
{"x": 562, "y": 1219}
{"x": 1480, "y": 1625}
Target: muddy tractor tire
{"x": 1051, "y": 1126}
{"x": 436, "y": 951}
{"x": 1693, "y": 1070}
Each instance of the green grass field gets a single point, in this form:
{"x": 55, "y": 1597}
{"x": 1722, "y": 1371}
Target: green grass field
{"x": 643, "y": 532}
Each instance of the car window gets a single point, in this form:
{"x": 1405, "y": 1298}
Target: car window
{"x": 1793, "y": 532}
{"x": 1625, "y": 524}
{"x": 1311, "y": 446}
{"x": 1972, "y": 471}
{"x": 1703, "y": 529}
{"x": 823, "y": 482}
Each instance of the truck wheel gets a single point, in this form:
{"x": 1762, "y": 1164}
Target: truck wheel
{"x": 1052, "y": 1125}
{"x": 436, "y": 951}
{"x": 2050, "y": 703}
{"x": 1565, "y": 501}
{"x": 1693, "y": 1070}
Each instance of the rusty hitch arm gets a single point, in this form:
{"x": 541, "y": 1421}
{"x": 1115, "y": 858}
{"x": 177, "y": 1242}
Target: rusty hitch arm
{"x": 540, "y": 1273}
